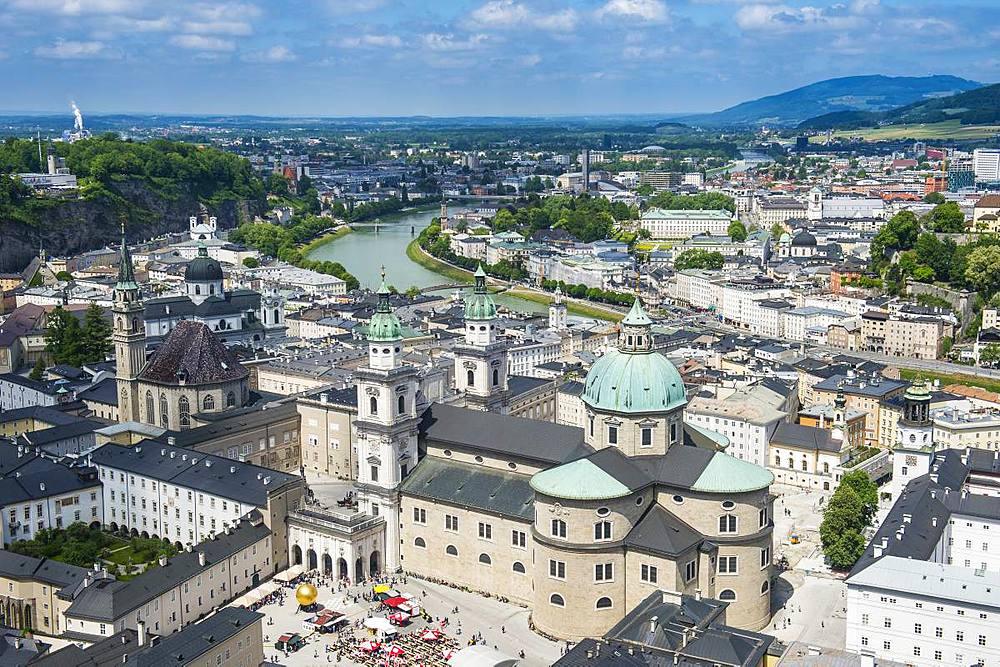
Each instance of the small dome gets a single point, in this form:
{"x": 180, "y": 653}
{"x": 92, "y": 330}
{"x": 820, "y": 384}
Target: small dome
{"x": 384, "y": 326}
{"x": 480, "y": 305}
{"x": 804, "y": 238}
{"x": 623, "y": 382}
{"x": 203, "y": 268}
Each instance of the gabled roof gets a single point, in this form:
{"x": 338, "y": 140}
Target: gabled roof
{"x": 661, "y": 532}
{"x": 193, "y": 353}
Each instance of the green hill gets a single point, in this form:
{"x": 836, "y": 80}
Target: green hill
{"x": 853, "y": 93}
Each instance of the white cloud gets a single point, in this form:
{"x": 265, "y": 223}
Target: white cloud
{"x": 224, "y": 11}
{"x": 775, "y": 19}
{"x": 436, "y": 41}
{"x": 203, "y": 43}
{"x": 124, "y": 23}
{"x": 73, "y": 7}
{"x": 530, "y": 60}
{"x": 241, "y": 28}
{"x": 644, "y": 10}
{"x": 355, "y": 6}
{"x": 501, "y": 14}
{"x": 275, "y": 54}
{"x": 64, "y": 49}
{"x": 565, "y": 20}
{"x": 375, "y": 41}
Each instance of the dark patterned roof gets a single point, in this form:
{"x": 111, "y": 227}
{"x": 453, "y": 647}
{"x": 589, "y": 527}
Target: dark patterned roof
{"x": 193, "y": 353}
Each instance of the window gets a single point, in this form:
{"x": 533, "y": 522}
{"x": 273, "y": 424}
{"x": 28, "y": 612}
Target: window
{"x": 451, "y": 522}
{"x": 470, "y": 378}
{"x": 939, "y": 632}
{"x": 864, "y": 619}
{"x": 917, "y": 629}
{"x": 518, "y": 567}
{"x": 485, "y": 531}
{"x": 765, "y": 557}
{"x": 690, "y": 570}
{"x": 485, "y": 559}
{"x": 982, "y": 640}
{"x": 762, "y": 517}
{"x": 602, "y": 530}
{"x": 603, "y": 603}
{"x": 887, "y": 645}
{"x": 647, "y": 437}
{"x": 451, "y": 550}
{"x": 673, "y": 432}
{"x": 727, "y": 523}
{"x": 557, "y": 569}
{"x": 184, "y": 409}
{"x": 887, "y": 622}
{"x": 728, "y": 565}
{"x": 419, "y": 515}
{"x": 208, "y": 403}
{"x": 164, "y": 411}
{"x": 373, "y": 405}
{"x": 401, "y": 405}
{"x": 937, "y": 655}
{"x": 419, "y": 543}
{"x": 518, "y": 539}
{"x": 230, "y": 400}
{"x": 765, "y": 587}
{"x": 556, "y": 600}
{"x": 916, "y": 650}
{"x": 496, "y": 377}
{"x": 728, "y": 595}
{"x": 558, "y": 528}
{"x": 959, "y": 636}
{"x": 604, "y": 572}
{"x": 648, "y": 574}
{"x": 612, "y": 435}
{"x": 150, "y": 410}
{"x": 864, "y": 641}
{"x": 374, "y": 473}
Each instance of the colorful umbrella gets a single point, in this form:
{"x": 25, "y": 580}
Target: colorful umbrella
{"x": 370, "y": 646}
{"x": 430, "y": 635}
{"x": 395, "y": 651}
{"x": 448, "y": 653}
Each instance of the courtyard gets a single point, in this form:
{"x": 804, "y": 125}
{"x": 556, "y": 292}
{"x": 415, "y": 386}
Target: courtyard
{"x": 494, "y": 623}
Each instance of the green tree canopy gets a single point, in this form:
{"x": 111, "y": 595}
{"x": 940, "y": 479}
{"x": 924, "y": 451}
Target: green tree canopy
{"x": 900, "y": 233}
{"x": 737, "y": 231}
{"x": 696, "y": 258}
{"x": 946, "y": 217}
{"x": 981, "y": 269}
{"x": 934, "y": 198}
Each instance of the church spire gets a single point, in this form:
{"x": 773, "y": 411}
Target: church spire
{"x": 635, "y": 334}
{"x": 126, "y": 287}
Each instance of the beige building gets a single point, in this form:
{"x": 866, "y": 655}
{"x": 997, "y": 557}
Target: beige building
{"x": 917, "y": 338}
{"x": 585, "y": 527}
{"x": 35, "y": 591}
{"x": 807, "y": 456}
{"x": 874, "y": 396}
{"x": 328, "y": 439}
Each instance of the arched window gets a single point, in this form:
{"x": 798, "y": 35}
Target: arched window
{"x": 558, "y": 528}
{"x": 518, "y": 567}
{"x": 277, "y": 317}
{"x": 135, "y": 325}
{"x": 470, "y": 378}
{"x": 728, "y": 595}
{"x": 826, "y": 467}
{"x": 208, "y": 403}
{"x": 211, "y": 288}
{"x": 373, "y": 405}
{"x": 184, "y": 410}
{"x": 419, "y": 543}
{"x": 602, "y": 530}
{"x": 805, "y": 465}
{"x": 765, "y": 588}
{"x": 222, "y": 325}
{"x": 451, "y": 550}
{"x": 164, "y": 411}
{"x": 150, "y": 408}
{"x": 485, "y": 559}
{"x": 197, "y": 289}
{"x": 557, "y": 600}
{"x": 496, "y": 377}
{"x": 401, "y": 404}
{"x": 603, "y": 603}
{"x": 231, "y": 400}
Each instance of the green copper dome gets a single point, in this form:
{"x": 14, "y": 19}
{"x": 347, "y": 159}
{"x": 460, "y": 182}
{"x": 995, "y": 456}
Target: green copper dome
{"x": 634, "y": 383}
{"x": 384, "y": 325}
{"x": 479, "y": 305}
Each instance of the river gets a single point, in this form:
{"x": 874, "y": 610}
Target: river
{"x": 364, "y": 251}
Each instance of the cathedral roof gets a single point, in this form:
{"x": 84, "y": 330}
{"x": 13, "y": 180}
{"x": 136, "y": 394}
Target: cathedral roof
{"x": 193, "y": 354}
{"x": 203, "y": 268}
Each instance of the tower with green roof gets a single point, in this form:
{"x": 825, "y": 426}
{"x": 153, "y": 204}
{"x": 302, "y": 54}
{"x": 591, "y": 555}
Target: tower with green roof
{"x": 914, "y": 450}
{"x": 481, "y": 360}
{"x": 387, "y": 422}
{"x": 128, "y": 334}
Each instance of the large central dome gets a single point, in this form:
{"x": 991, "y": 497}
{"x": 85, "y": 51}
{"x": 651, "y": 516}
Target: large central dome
{"x": 634, "y": 378}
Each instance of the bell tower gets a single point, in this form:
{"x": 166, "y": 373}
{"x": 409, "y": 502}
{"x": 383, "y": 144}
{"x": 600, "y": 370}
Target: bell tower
{"x": 915, "y": 447}
{"x": 387, "y": 423}
{"x": 481, "y": 361}
{"x": 129, "y": 336}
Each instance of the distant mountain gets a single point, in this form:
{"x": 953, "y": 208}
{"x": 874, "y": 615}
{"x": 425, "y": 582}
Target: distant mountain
{"x": 974, "y": 107}
{"x": 853, "y": 93}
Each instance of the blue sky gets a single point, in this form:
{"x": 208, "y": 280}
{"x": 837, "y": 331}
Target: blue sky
{"x": 469, "y": 57}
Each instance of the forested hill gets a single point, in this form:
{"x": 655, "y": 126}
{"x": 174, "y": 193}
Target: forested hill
{"x": 154, "y": 186}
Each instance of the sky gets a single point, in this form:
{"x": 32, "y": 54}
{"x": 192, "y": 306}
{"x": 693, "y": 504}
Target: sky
{"x": 469, "y": 57}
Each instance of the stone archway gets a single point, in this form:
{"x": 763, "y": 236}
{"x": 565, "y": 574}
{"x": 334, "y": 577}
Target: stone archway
{"x": 374, "y": 566}
{"x": 311, "y": 561}
{"x": 113, "y": 527}
{"x": 342, "y": 571}
{"x": 296, "y": 555}
{"x": 327, "y": 565}
{"x": 359, "y": 570}
{"x": 144, "y": 535}
{"x": 134, "y": 532}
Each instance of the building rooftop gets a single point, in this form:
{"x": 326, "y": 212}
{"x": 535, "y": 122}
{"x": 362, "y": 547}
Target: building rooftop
{"x": 192, "y": 355}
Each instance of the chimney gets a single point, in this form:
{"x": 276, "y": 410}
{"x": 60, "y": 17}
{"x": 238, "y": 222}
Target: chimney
{"x": 173, "y": 454}
{"x": 877, "y": 552}
{"x": 652, "y": 624}
{"x": 934, "y": 521}
{"x": 163, "y": 451}
{"x": 907, "y": 518}
{"x": 885, "y": 542}
{"x": 171, "y": 440}
{"x": 140, "y": 629}
{"x": 41, "y": 486}
{"x": 188, "y": 547}
{"x": 324, "y": 397}
{"x": 201, "y": 558}
{"x": 163, "y": 561}
{"x": 232, "y": 470}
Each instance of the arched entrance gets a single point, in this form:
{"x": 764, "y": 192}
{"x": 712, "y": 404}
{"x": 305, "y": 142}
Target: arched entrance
{"x": 373, "y": 564}
{"x": 359, "y": 570}
{"x": 296, "y": 555}
{"x": 342, "y": 572}
{"x": 134, "y": 533}
{"x": 327, "y": 565}
{"x": 311, "y": 561}
{"x": 95, "y": 524}
{"x": 113, "y": 527}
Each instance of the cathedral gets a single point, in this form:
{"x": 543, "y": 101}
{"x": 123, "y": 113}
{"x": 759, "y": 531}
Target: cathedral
{"x": 578, "y": 523}
{"x": 191, "y": 372}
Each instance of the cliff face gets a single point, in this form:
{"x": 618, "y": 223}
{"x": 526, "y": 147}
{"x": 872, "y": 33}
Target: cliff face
{"x": 76, "y": 226}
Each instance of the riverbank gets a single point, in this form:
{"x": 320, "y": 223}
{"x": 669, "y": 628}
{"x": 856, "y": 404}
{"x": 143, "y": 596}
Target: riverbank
{"x": 574, "y": 306}
{"x": 417, "y": 255}
{"x": 396, "y": 215}
{"x": 324, "y": 239}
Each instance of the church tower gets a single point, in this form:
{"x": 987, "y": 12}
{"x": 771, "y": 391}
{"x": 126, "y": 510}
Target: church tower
{"x": 481, "y": 361}
{"x": 387, "y": 424}
{"x": 914, "y": 449}
{"x": 129, "y": 335}
{"x": 557, "y": 312}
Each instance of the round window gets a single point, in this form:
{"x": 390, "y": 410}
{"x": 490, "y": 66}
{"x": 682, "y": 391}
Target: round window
{"x": 679, "y": 500}
{"x": 479, "y": 459}
{"x": 512, "y": 465}
{"x": 603, "y": 511}
{"x": 447, "y": 452}
{"x": 639, "y": 501}
{"x": 728, "y": 505}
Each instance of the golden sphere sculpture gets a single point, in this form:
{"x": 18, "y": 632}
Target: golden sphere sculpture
{"x": 306, "y": 594}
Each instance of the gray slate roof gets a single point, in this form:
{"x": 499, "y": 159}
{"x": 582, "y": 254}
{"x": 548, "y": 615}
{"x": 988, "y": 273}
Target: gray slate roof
{"x": 663, "y": 533}
{"x": 465, "y": 484}
{"x": 805, "y": 437}
{"x": 23, "y": 568}
{"x": 184, "y": 647}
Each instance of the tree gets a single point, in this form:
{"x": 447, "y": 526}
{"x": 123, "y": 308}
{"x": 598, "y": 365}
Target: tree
{"x": 845, "y": 550}
{"x": 935, "y": 253}
{"x": 697, "y": 258}
{"x": 413, "y": 291}
{"x": 63, "y": 341}
{"x": 38, "y": 370}
{"x": 777, "y": 230}
{"x": 737, "y": 231}
{"x": 867, "y": 491}
{"x": 844, "y": 512}
{"x": 96, "y": 344}
{"x": 64, "y": 276}
{"x": 989, "y": 355}
{"x": 946, "y": 217}
{"x": 251, "y": 262}
{"x": 934, "y": 198}
{"x": 900, "y": 233}
{"x": 981, "y": 269}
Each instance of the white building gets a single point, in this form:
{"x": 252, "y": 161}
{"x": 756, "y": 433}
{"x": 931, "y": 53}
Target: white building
{"x": 986, "y": 164}
{"x": 797, "y": 321}
{"x": 955, "y": 428}
{"x": 748, "y": 423}
{"x": 523, "y": 357}
{"x": 685, "y": 223}
{"x": 310, "y": 282}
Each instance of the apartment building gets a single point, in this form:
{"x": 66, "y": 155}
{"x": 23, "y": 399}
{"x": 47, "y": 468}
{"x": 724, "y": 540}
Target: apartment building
{"x": 683, "y": 224}
{"x": 918, "y": 338}
{"x": 797, "y": 322}
{"x": 748, "y": 423}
